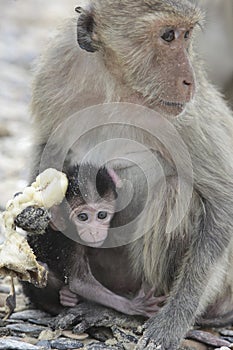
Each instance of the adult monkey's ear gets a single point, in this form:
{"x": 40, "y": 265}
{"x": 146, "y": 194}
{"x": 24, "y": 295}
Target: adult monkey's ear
{"x": 85, "y": 28}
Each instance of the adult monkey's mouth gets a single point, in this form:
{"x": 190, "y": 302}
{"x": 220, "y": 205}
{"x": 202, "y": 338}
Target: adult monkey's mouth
{"x": 172, "y": 104}
{"x": 171, "y": 108}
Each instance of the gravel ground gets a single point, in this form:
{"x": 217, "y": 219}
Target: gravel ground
{"x": 25, "y": 26}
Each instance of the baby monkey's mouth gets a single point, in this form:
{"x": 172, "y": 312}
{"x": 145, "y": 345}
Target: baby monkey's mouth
{"x": 96, "y": 244}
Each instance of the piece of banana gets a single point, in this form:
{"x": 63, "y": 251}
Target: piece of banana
{"x": 16, "y": 257}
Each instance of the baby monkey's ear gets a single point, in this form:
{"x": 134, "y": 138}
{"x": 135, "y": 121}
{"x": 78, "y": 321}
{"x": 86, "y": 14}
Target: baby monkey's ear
{"x": 115, "y": 178}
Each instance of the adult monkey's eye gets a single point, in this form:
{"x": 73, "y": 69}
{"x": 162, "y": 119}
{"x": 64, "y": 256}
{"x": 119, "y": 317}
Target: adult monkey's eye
{"x": 169, "y": 35}
{"x": 187, "y": 34}
{"x": 102, "y": 215}
{"x": 83, "y": 217}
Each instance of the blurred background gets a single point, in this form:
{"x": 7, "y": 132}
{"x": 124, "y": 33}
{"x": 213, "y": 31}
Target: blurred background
{"x": 26, "y": 26}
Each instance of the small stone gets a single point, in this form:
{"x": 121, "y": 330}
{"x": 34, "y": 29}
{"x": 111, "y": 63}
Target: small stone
{"x": 45, "y": 344}
{"x": 100, "y": 333}
{"x": 124, "y": 336}
{"x": 100, "y": 346}
{"x": 48, "y": 334}
{"x": 41, "y": 321}
{"x": 4, "y": 289}
{"x": 192, "y": 345}
{"x": 66, "y": 344}
{"x": 26, "y": 328}
{"x": 30, "y": 340}
{"x": 111, "y": 342}
{"x": 207, "y": 338}
{"x": 71, "y": 335}
{"x": 4, "y": 331}
{"x": 25, "y": 315}
{"x": 229, "y": 339}
{"x": 129, "y": 346}
{"x": 9, "y": 321}
{"x": 3, "y": 300}
{"x": 3, "y": 323}
{"x": 226, "y": 332}
{"x": 12, "y": 344}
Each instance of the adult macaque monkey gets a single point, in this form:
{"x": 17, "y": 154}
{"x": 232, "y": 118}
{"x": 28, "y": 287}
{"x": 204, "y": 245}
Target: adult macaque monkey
{"x": 141, "y": 51}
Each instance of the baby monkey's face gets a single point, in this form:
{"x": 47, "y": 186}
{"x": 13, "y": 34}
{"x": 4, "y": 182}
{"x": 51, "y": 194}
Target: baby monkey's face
{"x": 92, "y": 221}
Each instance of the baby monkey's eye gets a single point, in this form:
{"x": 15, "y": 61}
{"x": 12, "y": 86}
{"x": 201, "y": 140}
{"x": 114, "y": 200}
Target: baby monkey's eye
{"x": 102, "y": 215}
{"x": 169, "y": 35}
{"x": 83, "y": 217}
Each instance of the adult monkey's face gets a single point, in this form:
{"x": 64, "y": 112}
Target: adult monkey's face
{"x": 146, "y": 48}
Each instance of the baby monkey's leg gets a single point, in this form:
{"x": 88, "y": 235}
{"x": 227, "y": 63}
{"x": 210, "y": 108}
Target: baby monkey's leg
{"x": 84, "y": 284}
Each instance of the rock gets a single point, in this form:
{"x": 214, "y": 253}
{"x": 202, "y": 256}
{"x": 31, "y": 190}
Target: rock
{"x": 227, "y": 334}
{"x": 129, "y": 346}
{"x": 4, "y": 289}
{"x": 41, "y": 321}
{"x": 12, "y": 344}
{"x": 207, "y": 338}
{"x": 45, "y": 344}
{"x": 29, "y": 314}
{"x": 71, "y": 335}
{"x": 13, "y": 321}
{"x": 192, "y": 345}
{"x": 4, "y": 331}
{"x": 101, "y": 346}
{"x": 48, "y": 334}
{"x": 112, "y": 342}
{"x": 229, "y": 339}
{"x": 100, "y": 333}
{"x": 30, "y": 340}
{"x": 66, "y": 344}
{"x": 2, "y": 299}
{"x": 124, "y": 336}
{"x": 25, "y": 328}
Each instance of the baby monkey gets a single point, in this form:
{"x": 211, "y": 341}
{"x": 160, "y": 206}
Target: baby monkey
{"x": 85, "y": 216}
